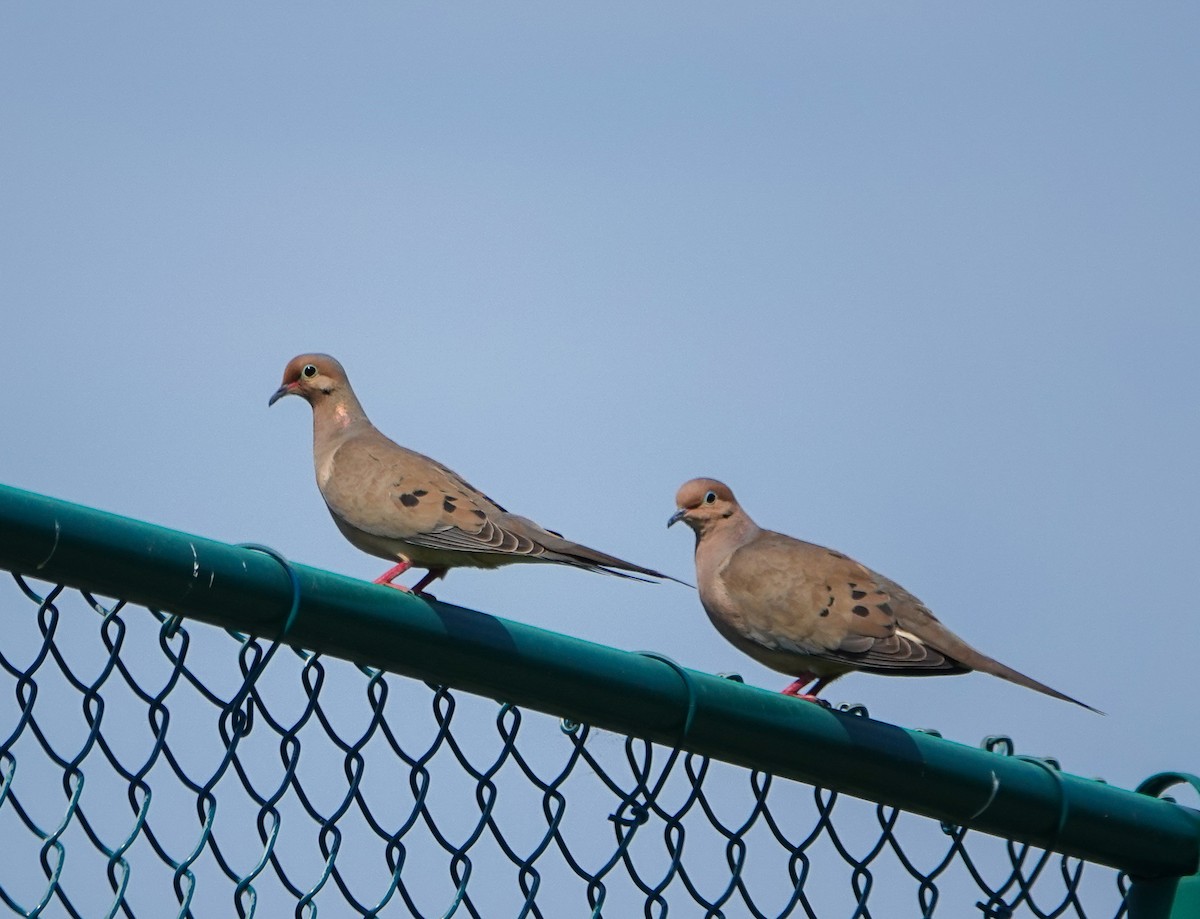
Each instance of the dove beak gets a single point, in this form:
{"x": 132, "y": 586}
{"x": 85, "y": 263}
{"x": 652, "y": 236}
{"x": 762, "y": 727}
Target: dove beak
{"x": 676, "y": 517}
{"x": 284, "y": 390}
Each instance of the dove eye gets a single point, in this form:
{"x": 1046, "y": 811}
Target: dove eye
{"x": 309, "y": 371}
{"x": 710, "y": 497}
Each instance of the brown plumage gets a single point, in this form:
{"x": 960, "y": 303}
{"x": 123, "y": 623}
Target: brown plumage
{"x": 399, "y": 505}
{"x": 812, "y": 612}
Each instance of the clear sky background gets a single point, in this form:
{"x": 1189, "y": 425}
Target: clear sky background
{"x": 918, "y": 282}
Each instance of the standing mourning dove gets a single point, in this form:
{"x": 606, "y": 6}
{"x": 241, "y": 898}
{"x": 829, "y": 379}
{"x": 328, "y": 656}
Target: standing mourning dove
{"x": 399, "y": 505}
{"x": 811, "y": 612}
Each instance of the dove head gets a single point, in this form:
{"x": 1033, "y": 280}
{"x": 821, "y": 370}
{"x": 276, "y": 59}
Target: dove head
{"x": 703, "y": 504}
{"x": 321, "y": 381}
{"x": 312, "y": 376}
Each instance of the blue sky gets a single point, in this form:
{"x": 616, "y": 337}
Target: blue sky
{"x": 918, "y": 282}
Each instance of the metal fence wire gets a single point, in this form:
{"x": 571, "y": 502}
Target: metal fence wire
{"x": 146, "y": 766}
{"x": 152, "y": 768}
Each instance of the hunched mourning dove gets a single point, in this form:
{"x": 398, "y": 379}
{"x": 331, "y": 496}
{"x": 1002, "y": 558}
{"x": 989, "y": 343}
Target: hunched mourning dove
{"x": 812, "y": 612}
{"x": 405, "y": 507}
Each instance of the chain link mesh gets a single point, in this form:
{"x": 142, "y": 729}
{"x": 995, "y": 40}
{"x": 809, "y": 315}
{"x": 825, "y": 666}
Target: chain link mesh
{"x": 149, "y": 769}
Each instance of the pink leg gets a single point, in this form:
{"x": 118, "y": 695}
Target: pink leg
{"x": 795, "y": 688}
{"x": 392, "y": 573}
{"x": 430, "y": 576}
{"x": 800, "y": 682}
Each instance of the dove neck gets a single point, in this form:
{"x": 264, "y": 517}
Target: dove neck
{"x": 336, "y": 413}
{"x": 738, "y": 528}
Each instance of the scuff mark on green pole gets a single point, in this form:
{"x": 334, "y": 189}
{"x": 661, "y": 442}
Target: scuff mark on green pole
{"x": 617, "y": 690}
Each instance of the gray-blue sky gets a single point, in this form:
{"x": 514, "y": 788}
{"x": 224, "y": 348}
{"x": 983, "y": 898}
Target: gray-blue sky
{"x": 918, "y": 282}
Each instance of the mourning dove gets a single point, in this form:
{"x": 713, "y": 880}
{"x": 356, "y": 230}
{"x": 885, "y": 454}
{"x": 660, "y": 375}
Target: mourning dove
{"x": 811, "y": 612}
{"x": 399, "y": 505}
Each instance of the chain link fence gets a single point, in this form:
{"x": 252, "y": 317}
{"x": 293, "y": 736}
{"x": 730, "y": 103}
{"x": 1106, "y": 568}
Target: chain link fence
{"x": 150, "y": 768}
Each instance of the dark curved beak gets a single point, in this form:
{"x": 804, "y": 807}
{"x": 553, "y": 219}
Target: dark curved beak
{"x": 676, "y": 517}
{"x": 282, "y": 391}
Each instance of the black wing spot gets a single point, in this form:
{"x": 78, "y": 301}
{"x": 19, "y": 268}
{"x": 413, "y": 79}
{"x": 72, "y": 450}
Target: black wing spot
{"x": 480, "y": 514}
{"x": 861, "y": 611}
{"x": 448, "y": 505}
{"x": 409, "y": 500}
{"x": 885, "y": 607}
{"x": 420, "y": 492}
{"x": 857, "y": 594}
{"x": 824, "y": 612}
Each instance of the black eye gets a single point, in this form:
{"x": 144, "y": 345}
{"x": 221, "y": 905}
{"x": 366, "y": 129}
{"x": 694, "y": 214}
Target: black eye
{"x": 710, "y": 497}
{"x": 309, "y": 371}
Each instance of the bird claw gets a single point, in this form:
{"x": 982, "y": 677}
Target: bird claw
{"x": 808, "y": 698}
{"x": 423, "y": 594}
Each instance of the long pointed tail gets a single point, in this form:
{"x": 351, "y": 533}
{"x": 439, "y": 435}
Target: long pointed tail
{"x": 994, "y": 667}
{"x": 572, "y": 553}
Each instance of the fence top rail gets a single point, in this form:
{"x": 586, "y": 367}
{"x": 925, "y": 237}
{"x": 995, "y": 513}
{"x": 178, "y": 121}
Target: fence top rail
{"x": 644, "y": 695}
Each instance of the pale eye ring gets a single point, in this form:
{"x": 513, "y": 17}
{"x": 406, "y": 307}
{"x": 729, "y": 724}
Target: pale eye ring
{"x": 710, "y": 497}
{"x": 309, "y": 371}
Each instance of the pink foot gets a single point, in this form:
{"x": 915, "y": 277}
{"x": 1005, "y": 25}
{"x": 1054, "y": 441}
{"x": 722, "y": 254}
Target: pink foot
{"x": 796, "y": 688}
{"x": 417, "y": 589}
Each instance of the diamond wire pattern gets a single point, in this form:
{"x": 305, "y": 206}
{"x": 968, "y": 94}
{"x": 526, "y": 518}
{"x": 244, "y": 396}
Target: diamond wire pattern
{"x": 150, "y": 770}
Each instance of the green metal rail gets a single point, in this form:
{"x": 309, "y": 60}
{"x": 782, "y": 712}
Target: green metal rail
{"x": 1153, "y": 840}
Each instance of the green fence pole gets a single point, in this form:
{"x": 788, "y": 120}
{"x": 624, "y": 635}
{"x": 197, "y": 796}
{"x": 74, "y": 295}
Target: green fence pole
{"x": 621, "y": 691}
{"x": 1168, "y": 897}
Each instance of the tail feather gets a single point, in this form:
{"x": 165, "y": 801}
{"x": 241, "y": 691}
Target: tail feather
{"x": 930, "y": 630}
{"x": 995, "y": 668}
{"x": 572, "y": 553}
